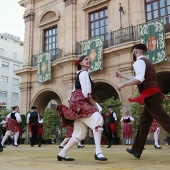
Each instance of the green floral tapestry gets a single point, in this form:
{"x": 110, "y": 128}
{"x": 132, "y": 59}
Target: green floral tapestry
{"x": 44, "y": 67}
{"x": 152, "y": 34}
{"x": 94, "y": 49}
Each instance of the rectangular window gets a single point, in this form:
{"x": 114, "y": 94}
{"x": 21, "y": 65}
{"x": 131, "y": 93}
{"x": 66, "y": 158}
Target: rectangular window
{"x": 3, "y": 94}
{"x": 14, "y": 96}
{"x": 14, "y": 55}
{"x": 5, "y": 64}
{"x": 1, "y": 52}
{"x": 15, "y": 82}
{"x": 16, "y": 67}
{"x": 4, "y": 79}
{"x": 50, "y": 42}
{"x": 157, "y": 9}
{"x": 99, "y": 24}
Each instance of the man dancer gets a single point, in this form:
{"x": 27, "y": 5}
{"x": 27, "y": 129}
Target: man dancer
{"x": 33, "y": 121}
{"x": 150, "y": 94}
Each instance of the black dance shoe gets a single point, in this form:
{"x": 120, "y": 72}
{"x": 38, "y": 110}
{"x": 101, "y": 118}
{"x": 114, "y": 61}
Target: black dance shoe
{"x": 61, "y": 147}
{"x": 64, "y": 158}
{"x": 157, "y": 147}
{"x": 80, "y": 146}
{"x": 109, "y": 146}
{"x": 15, "y": 145}
{"x": 136, "y": 155}
{"x": 1, "y": 149}
{"x": 99, "y": 158}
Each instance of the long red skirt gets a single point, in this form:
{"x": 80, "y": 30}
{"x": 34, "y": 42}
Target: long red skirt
{"x": 127, "y": 130}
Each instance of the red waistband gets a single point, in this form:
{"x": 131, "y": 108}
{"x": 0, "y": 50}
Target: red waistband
{"x": 145, "y": 93}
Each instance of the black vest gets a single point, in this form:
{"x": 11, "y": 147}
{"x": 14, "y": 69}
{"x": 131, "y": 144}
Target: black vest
{"x": 111, "y": 119}
{"x": 150, "y": 76}
{"x": 33, "y": 118}
{"x": 13, "y": 116}
{"x": 127, "y": 120}
{"x": 77, "y": 83}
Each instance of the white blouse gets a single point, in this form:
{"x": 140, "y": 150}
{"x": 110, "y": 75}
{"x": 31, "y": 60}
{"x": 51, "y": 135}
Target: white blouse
{"x": 125, "y": 117}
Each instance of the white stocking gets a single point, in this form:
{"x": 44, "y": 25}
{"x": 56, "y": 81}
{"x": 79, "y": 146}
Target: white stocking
{"x": 16, "y": 135}
{"x": 64, "y": 141}
{"x": 79, "y": 143}
{"x": 126, "y": 141}
{"x": 68, "y": 146}
{"x": 129, "y": 141}
{"x": 5, "y": 137}
{"x": 97, "y": 139}
{"x": 156, "y": 138}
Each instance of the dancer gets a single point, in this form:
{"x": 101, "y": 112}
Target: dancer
{"x": 33, "y": 121}
{"x": 12, "y": 125}
{"x": 150, "y": 94}
{"x": 155, "y": 130}
{"x": 127, "y": 122}
{"x": 83, "y": 111}
{"x": 69, "y": 132}
{"x": 40, "y": 131}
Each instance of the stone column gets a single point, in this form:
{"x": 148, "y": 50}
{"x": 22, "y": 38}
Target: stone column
{"x": 70, "y": 27}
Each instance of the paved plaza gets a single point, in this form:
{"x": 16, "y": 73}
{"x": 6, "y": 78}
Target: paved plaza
{"x": 25, "y": 157}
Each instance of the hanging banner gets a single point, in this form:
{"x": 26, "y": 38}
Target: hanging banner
{"x": 94, "y": 49}
{"x": 44, "y": 67}
{"x": 152, "y": 34}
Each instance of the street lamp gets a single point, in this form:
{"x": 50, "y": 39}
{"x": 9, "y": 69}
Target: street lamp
{"x": 121, "y": 11}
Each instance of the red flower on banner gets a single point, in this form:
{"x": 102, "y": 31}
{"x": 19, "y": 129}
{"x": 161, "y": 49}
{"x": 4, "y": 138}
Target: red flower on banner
{"x": 76, "y": 63}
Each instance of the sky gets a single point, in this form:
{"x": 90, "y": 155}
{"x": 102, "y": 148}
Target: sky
{"x": 11, "y": 18}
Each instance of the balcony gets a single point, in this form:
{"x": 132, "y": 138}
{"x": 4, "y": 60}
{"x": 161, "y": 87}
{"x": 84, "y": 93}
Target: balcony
{"x": 120, "y": 36}
{"x": 56, "y": 54}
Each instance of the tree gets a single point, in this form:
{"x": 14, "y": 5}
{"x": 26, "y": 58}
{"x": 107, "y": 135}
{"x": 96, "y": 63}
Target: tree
{"x": 50, "y": 121}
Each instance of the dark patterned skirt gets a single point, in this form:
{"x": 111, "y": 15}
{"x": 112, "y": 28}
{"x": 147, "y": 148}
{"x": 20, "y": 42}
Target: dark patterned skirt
{"x": 127, "y": 130}
{"x": 12, "y": 125}
{"x": 153, "y": 127}
{"x": 79, "y": 107}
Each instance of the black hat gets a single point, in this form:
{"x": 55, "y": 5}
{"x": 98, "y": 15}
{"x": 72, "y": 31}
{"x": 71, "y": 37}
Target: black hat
{"x": 140, "y": 47}
{"x": 33, "y": 107}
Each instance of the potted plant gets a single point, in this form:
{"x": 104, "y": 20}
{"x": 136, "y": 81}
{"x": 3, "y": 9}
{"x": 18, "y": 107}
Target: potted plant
{"x": 50, "y": 121}
{"x": 23, "y": 129}
{"x": 166, "y": 105}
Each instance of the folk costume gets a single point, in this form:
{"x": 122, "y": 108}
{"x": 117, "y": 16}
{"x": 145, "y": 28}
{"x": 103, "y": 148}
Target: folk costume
{"x": 40, "y": 130}
{"x": 83, "y": 114}
{"x": 155, "y": 130}
{"x": 127, "y": 128}
{"x": 12, "y": 125}
{"x": 33, "y": 122}
{"x": 151, "y": 96}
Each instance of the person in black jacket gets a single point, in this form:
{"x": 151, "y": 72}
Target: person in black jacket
{"x": 111, "y": 126}
{"x": 33, "y": 121}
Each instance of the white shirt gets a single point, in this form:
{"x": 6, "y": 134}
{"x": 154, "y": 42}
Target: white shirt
{"x": 28, "y": 117}
{"x": 140, "y": 68}
{"x": 126, "y": 117}
{"x": 40, "y": 121}
{"x": 17, "y": 115}
{"x": 3, "y": 123}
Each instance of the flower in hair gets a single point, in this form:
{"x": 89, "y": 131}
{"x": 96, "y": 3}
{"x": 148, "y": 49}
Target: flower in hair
{"x": 76, "y": 63}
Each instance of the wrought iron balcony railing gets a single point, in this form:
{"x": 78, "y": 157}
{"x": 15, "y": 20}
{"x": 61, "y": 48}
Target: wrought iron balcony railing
{"x": 120, "y": 36}
{"x": 55, "y": 54}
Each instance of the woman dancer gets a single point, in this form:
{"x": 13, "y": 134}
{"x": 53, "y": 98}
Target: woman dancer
{"x": 83, "y": 110}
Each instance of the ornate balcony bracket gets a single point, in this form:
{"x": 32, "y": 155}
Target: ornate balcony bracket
{"x": 69, "y": 2}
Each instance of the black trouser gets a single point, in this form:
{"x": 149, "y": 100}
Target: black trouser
{"x": 34, "y": 137}
{"x": 153, "y": 109}
{"x": 106, "y": 134}
{"x": 112, "y": 134}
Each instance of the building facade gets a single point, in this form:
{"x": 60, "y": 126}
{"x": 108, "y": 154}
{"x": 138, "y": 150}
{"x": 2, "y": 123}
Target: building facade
{"x": 11, "y": 59}
{"x": 62, "y": 26}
